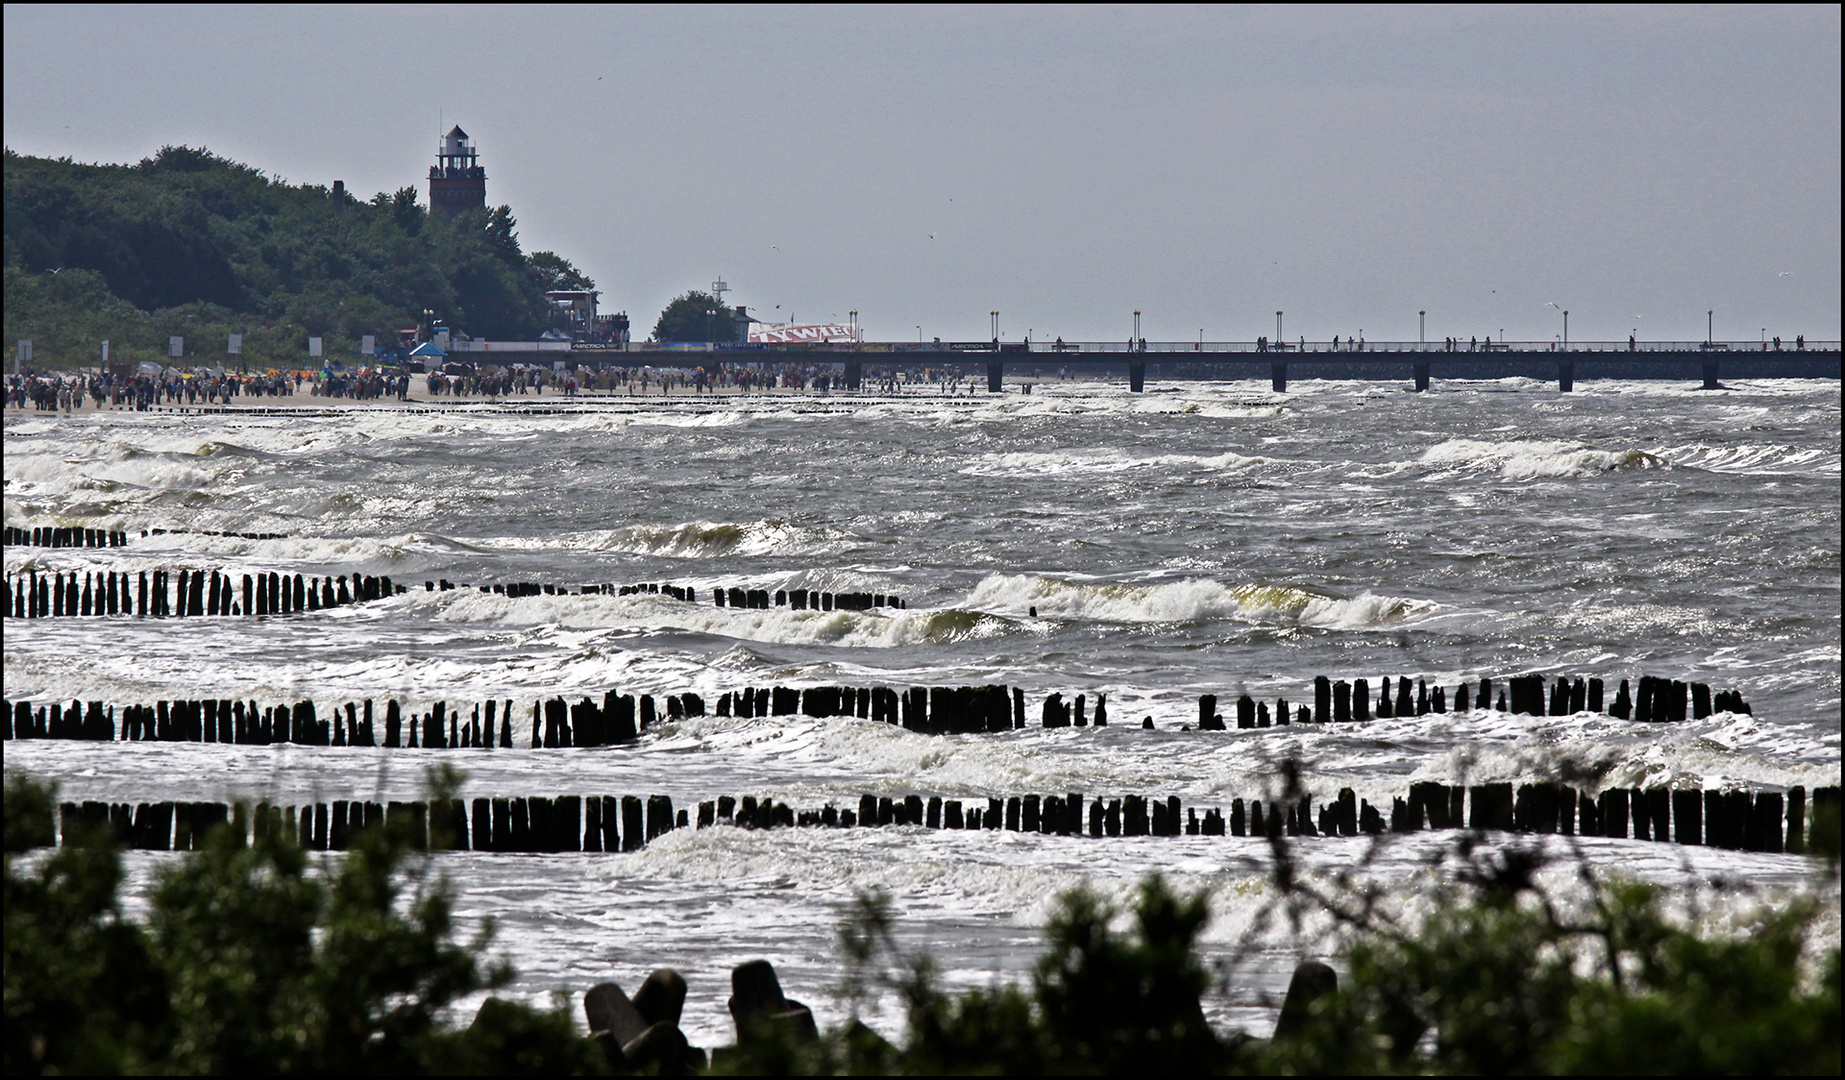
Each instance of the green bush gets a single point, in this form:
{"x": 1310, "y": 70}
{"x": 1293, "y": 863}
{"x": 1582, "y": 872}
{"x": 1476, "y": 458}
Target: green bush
{"x": 251, "y": 963}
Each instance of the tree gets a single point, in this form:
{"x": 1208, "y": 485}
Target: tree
{"x": 188, "y": 230}
{"x": 84, "y": 993}
{"x": 252, "y": 961}
{"x": 557, "y": 273}
{"x": 696, "y": 316}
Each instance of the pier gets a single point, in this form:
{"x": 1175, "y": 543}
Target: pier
{"x": 1418, "y": 364}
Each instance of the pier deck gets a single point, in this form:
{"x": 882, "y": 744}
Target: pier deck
{"x": 1411, "y": 362}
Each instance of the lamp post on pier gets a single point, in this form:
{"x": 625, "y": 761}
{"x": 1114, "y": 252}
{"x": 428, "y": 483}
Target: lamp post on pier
{"x": 1566, "y": 321}
{"x": 1422, "y": 328}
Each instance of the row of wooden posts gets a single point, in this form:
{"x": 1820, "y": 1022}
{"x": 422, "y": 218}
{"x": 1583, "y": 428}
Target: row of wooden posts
{"x": 554, "y": 723}
{"x": 173, "y": 594}
{"x": 164, "y": 593}
{"x": 798, "y": 599}
{"x": 618, "y": 718}
{"x": 1764, "y": 821}
{"x": 53, "y": 536}
{"x": 214, "y": 532}
{"x": 1658, "y": 700}
{"x": 73, "y": 536}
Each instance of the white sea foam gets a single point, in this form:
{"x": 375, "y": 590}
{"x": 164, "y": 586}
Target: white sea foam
{"x": 1530, "y": 459}
{"x": 1084, "y": 464}
{"x": 1754, "y": 459}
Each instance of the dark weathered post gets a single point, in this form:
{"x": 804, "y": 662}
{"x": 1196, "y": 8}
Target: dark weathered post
{"x": 1422, "y": 374}
{"x": 633, "y": 823}
{"x": 1796, "y": 820}
{"x": 1566, "y": 376}
{"x": 1765, "y": 818}
{"x": 1611, "y": 811}
{"x": 1137, "y": 376}
{"x": 1278, "y": 382}
{"x": 995, "y": 368}
{"x": 1688, "y": 816}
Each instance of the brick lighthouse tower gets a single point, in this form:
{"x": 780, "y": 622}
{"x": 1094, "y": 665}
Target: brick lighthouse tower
{"x": 456, "y": 180}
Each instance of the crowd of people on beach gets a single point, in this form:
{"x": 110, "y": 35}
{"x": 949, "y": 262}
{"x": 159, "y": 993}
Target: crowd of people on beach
{"x": 502, "y": 382}
{"x": 56, "y": 392}
{"x": 365, "y": 384}
{"x": 111, "y": 390}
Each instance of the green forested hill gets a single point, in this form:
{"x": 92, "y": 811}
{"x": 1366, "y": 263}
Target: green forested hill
{"x": 188, "y": 243}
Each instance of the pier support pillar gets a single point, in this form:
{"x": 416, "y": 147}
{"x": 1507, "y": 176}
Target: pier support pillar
{"x": 855, "y": 374}
{"x": 1278, "y": 376}
{"x": 994, "y": 371}
{"x": 1566, "y": 376}
{"x": 1137, "y": 376}
{"x": 1710, "y": 373}
{"x": 1422, "y": 375}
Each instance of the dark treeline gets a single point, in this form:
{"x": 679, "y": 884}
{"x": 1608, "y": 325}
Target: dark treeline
{"x": 188, "y": 243}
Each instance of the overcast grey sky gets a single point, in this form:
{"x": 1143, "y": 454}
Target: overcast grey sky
{"x": 925, "y": 166}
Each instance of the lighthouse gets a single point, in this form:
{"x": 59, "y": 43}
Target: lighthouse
{"x": 456, "y": 180}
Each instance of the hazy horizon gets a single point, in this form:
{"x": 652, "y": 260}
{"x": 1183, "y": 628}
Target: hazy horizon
{"x": 1207, "y": 167}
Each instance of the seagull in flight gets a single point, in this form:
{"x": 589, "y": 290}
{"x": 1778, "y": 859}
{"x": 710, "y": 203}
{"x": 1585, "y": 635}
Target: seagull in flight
{"x": 1785, "y": 273}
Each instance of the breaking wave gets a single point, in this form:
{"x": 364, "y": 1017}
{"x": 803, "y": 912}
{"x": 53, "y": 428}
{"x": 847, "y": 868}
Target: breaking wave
{"x": 879, "y": 628}
{"x": 1535, "y": 459}
{"x": 708, "y": 539}
{"x": 1191, "y": 600}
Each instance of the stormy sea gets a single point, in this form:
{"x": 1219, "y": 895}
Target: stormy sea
{"x": 1140, "y": 550}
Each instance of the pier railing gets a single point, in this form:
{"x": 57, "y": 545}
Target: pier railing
{"x": 963, "y": 349}
{"x": 1463, "y": 346}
